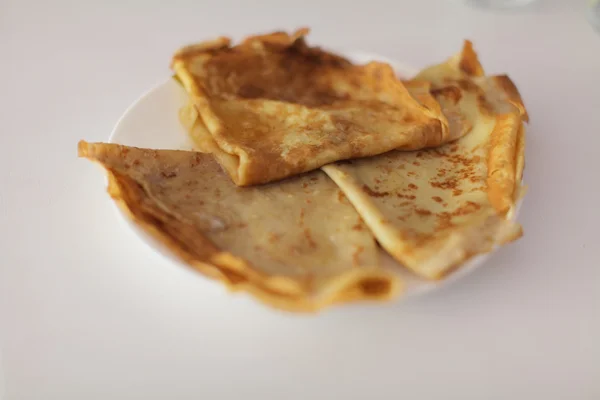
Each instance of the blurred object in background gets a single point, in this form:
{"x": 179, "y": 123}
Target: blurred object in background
{"x": 506, "y": 4}
{"x": 593, "y": 13}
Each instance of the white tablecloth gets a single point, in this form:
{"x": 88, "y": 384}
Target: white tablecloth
{"x": 88, "y": 311}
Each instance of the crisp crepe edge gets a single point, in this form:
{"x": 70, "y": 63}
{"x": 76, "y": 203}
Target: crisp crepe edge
{"x": 506, "y": 156}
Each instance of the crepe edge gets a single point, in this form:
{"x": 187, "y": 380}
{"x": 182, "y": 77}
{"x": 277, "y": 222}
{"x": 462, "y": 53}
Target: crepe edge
{"x": 506, "y": 157}
{"x": 232, "y": 160}
{"x": 223, "y": 42}
{"x": 361, "y": 284}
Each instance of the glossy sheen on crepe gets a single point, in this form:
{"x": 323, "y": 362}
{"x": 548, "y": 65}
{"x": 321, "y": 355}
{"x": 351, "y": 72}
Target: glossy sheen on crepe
{"x": 275, "y": 107}
{"x": 296, "y": 245}
{"x": 433, "y": 209}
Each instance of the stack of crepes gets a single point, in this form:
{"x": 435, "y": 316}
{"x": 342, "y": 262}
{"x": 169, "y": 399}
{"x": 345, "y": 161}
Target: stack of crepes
{"x": 306, "y": 165}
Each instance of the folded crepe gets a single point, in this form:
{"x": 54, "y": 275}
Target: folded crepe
{"x": 297, "y": 244}
{"x": 275, "y": 107}
{"x": 433, "y": 209}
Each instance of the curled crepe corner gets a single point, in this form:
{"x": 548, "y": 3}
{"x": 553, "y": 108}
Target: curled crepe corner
{"x": 139, "y": 196}
{"x": 468, "y": 61}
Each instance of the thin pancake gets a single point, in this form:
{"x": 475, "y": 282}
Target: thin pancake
{"x": 433, "y": 209}
{"x": 297, "y": 244}
{"x": 274, "y": 107}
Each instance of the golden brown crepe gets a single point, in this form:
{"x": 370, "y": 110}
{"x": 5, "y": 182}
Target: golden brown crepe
{"x": 275, "y": 107}
{"x": 297, "y": 244}
{"x": 433, "y": 209}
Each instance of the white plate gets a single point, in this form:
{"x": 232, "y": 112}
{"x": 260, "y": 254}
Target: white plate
{"x": 152, "y": 122}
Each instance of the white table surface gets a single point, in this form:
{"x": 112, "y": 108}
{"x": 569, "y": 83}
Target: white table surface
{"x": 88, "y": 311}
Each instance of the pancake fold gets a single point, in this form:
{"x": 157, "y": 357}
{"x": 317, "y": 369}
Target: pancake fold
{"x": 297, "y": 245}
{"x": 434, "y": 209}
{"x": 274, "y": 107}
